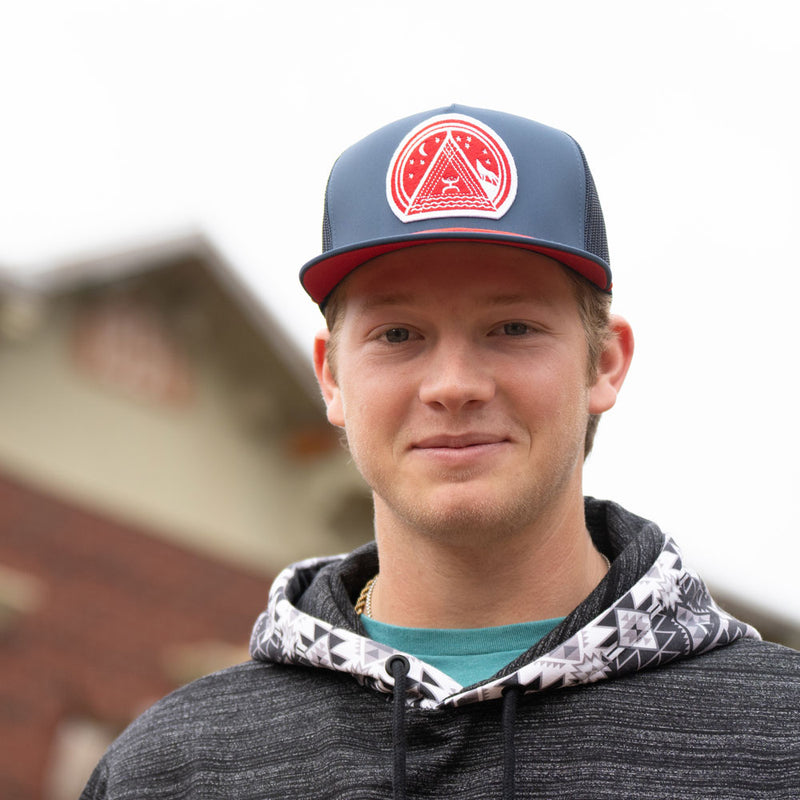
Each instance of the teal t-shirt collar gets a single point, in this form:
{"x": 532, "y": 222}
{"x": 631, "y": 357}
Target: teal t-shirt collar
{"x": 467, "y": 655}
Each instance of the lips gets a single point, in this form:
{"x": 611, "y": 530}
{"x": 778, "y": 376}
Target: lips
{"x": 458, "y": 442}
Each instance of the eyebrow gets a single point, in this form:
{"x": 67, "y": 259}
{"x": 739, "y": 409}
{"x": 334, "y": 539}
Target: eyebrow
{"x": 511, "y": 299}
{"x": 380, "y": 300}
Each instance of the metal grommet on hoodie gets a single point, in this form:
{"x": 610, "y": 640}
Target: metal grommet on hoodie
{"x": 396, "y": 659}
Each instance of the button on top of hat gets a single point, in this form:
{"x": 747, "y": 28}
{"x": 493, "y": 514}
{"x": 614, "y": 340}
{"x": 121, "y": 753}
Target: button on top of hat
{"x": 451, "y": 165}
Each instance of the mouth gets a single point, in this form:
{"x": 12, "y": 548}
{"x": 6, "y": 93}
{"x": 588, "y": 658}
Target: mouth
{"x": 458, "y": 442}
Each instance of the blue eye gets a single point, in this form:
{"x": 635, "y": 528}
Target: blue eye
{"x": 515, "y": 329}
{"x": 396, "y": 335}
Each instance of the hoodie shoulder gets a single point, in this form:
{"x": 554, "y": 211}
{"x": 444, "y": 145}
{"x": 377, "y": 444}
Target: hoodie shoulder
{"x": 162, "y": 752}
{"x": 754, "y": 663}
{"x": 749, "y": 689}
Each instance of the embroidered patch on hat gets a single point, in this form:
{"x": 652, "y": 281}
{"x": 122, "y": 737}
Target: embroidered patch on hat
{"x": 451, "y": 166}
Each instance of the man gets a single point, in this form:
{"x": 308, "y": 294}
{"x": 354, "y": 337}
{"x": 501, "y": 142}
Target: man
{"x": 503, "y": 637}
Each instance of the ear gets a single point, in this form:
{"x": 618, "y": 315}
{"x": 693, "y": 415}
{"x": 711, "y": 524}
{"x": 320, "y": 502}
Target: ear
{"x": 613, "y": 367}
{"x": 326, "y": 380}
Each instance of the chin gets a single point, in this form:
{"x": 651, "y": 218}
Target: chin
{"x": 463, "y": 518}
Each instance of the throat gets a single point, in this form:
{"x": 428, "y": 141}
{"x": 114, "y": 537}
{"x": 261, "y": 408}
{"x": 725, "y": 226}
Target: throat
{"x": 426, "y": 583}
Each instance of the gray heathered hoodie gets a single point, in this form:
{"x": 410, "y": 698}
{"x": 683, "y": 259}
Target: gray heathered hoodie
{"x": 646, "y": 690}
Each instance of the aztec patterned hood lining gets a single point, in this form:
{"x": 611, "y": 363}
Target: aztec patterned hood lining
{"x": 649, "y": 610}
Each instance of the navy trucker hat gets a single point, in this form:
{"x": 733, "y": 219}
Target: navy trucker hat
{"x": 460, "y": 174}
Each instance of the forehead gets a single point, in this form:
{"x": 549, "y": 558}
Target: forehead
{"x": 476, "y": 273}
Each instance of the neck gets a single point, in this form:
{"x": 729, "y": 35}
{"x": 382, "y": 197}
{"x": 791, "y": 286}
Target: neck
{"x": 541, "y": 572}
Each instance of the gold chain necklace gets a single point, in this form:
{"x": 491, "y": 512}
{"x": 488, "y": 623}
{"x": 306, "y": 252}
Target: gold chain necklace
{"x": 364, "y": 602}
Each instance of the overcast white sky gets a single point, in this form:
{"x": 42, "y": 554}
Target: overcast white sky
{"x": 125, "y": 121}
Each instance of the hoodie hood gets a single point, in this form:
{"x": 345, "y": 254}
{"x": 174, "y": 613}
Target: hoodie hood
{"x": 649, "y": 610}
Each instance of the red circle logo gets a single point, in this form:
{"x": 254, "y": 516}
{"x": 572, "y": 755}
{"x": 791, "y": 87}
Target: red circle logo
{"x": 451, "y": 166}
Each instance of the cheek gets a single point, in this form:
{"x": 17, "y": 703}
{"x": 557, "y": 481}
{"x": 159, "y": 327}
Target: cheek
{"x": 376, "y": 407}
{"x": 363, "y": 407}
{"x": 553, "y": 399}
{"x": 553, "y": 383}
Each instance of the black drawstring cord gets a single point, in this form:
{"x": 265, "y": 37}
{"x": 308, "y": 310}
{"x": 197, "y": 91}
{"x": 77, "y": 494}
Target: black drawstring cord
{"x": 511, "y": 695}
{"x": 397, "y": 667}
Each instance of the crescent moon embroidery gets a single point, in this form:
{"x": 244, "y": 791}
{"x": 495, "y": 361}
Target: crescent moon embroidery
{"x": 422, "y": 150}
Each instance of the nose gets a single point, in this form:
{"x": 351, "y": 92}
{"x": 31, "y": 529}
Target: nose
{"x": 456, "y": 377}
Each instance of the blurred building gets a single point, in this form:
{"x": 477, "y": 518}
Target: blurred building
{"x": 163, "y": 452}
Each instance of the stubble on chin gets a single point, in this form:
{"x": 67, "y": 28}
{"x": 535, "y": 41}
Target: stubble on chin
{"x": 457, "y": 522}
{"x": 465, "y": 513}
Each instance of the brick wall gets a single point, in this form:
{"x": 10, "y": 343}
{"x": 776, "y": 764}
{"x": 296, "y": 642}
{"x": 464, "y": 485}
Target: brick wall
{"x": 115, "y": 600}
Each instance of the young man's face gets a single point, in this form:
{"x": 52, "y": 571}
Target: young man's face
{"x": 460, "y": 378}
